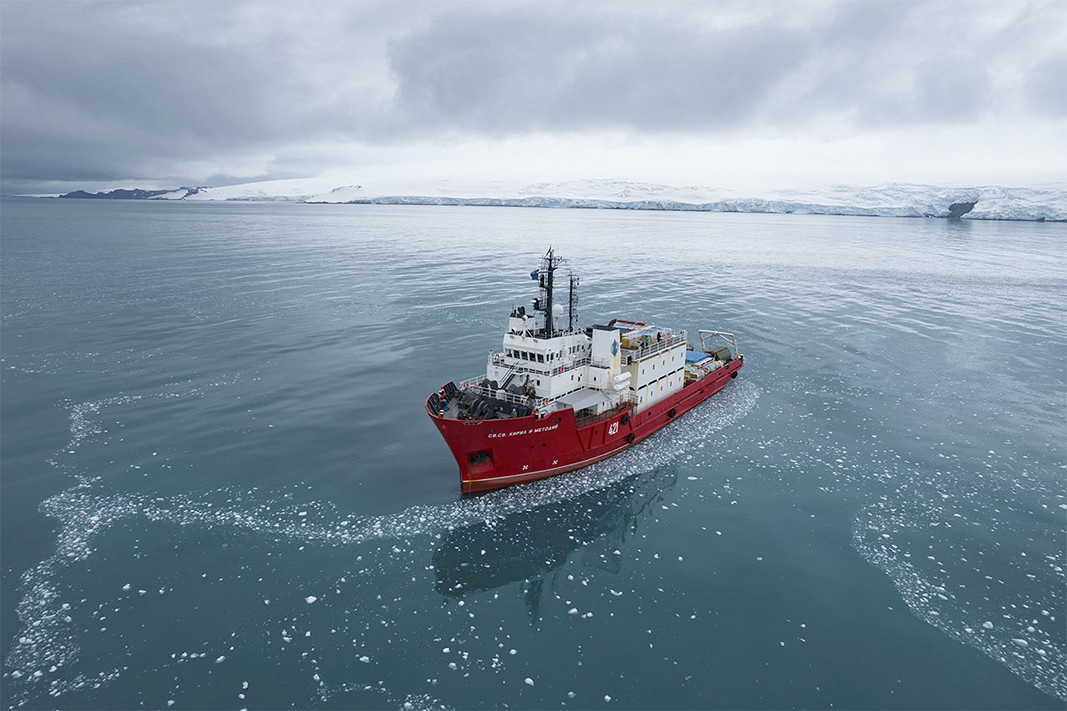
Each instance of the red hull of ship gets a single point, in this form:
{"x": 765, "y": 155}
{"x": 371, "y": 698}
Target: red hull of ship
{"x": 521, "y": 449}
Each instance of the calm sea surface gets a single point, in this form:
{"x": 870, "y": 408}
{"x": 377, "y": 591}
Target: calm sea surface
{"x": 221, "y": 490}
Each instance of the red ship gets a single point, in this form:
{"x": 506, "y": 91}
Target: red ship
{"x": 557, "y": 399}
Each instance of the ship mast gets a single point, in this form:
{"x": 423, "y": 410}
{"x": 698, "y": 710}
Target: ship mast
{"x": 572, "y": 302}
{"x": 544, "y": 277}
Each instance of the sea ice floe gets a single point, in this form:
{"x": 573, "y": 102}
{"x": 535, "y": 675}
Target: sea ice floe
{"x": 84, "y": 513}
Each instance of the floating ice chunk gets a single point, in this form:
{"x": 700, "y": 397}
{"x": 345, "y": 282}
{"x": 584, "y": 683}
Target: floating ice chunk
{"x": 987, "y": 625}
{"x": 570, "y": 694}
{"x": 221, "y": 659}
{"x": 451, "y": 665}
{"x": 126, "y": 586}
{"x": 513, "y": 652}
{"x": 607, "y": 698}
{"x": 310, "y": 599}
{"x": 170, "y": 702}
{"x": 244, "y": 685}
{"x": 572, "y": 611}
{"x": 529, "y": 681}
{"x": 1021, "y": 642}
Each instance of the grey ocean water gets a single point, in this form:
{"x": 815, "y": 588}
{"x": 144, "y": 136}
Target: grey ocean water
{"x": 220, "y": 489}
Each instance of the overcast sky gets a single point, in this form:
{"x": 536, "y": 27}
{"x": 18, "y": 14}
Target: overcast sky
{"x": 750, "y": 94}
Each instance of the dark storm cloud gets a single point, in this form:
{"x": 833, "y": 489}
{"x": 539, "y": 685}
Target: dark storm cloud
{"x": 112, "y": 91}
{"x": 108, "y": 91}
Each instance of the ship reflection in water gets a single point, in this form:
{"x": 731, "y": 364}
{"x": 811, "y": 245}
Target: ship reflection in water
{"x": 529, "y": 546}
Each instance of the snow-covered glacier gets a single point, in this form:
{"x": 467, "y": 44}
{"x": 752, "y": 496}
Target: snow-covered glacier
{"x": 1040, "y": 202}
{"x": 1046, "y": 202}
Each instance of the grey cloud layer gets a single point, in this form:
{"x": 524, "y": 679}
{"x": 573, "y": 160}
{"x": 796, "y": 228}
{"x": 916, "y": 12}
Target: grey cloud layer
{"x": 859, "y": 63}
{"x": 508, "y": 72}
{"x": 99, "y": 91}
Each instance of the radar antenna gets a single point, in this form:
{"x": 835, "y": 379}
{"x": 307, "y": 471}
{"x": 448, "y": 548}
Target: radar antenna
{"x": 544, "y": 276}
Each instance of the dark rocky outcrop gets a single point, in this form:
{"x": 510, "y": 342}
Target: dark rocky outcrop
{"x": 959, "y": 209}
{"x": 123, "y": 194}
{"x": 120, "y": 194}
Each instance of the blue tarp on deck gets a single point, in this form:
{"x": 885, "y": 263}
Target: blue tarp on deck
{"x": 696, "y": 356}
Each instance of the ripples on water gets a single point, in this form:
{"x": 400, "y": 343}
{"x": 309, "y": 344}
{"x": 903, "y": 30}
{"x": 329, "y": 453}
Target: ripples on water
{"x": 251, "y": 508}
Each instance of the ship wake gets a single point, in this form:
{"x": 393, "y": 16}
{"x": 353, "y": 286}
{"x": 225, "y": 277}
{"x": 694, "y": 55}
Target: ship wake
{"x": 45, "y": 657}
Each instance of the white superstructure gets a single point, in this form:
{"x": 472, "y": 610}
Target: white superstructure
{"x": 598, "y": 370}
{"x": 594, "y": 370}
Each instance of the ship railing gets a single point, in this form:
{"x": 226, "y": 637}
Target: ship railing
{"x": 656, "y": 346}
{"x": 475, "y": 386}
{"x": 580, "y": 362}
{"x": 707, "y": 337}
{"x": 500, "y": 359}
